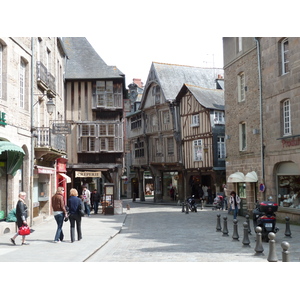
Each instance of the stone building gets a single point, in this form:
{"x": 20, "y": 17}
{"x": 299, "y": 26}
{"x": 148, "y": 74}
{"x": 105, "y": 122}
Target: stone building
{"x": 31, "y": 98}
{"x": 262, "y": 107}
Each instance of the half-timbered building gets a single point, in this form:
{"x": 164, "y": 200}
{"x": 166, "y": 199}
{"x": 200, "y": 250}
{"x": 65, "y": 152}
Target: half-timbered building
{"x": 94, "y": 110}
{"x": 155, "y": 137}
{"x": 202, "y": 126}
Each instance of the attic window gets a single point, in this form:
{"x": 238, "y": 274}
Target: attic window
{"x": 156, "y": 93}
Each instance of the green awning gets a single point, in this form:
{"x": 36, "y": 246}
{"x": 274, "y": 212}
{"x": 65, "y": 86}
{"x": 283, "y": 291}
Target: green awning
{"x": 13, "y": 155}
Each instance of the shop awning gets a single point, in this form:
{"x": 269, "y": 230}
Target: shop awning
{"x": 14, "y": 156}
{"x": 251, "y": 177}
{"x": 236, "y": 177}
{"x": 68, "y": 179}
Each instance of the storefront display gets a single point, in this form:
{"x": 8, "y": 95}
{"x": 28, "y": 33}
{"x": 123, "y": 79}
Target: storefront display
{"x": 289, "y": 191}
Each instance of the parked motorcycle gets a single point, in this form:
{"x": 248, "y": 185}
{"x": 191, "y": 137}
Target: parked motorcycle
{"x": 191, "y": 202}
{"x": 264, "y": 217}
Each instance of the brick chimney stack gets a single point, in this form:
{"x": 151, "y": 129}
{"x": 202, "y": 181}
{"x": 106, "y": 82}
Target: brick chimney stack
{"x": 138, "y": 82}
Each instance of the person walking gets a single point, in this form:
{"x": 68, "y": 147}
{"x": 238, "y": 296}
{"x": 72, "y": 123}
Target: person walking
{"x": 235, "y": 203}
{"x": 74, "y": 204}
{"x": 59, "y": 212}
{"x": 95, "y": 199}
{"x": 86, "y": 195}
{"x": 21, "y": 214}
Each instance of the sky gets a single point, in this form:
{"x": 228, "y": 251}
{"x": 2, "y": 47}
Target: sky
{"x": 135, "y": 62}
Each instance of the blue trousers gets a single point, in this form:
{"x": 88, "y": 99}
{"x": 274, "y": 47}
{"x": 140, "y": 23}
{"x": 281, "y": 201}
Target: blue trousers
{"x": 59, "y": 232}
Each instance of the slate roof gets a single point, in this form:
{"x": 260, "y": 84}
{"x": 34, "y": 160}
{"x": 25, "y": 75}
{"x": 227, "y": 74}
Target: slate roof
{"x": 171, "y": 77}
{"x": 85, "y": 63}
{"x": 209, "y": 98}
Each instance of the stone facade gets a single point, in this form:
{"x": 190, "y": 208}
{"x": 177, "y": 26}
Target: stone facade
{"x": 272, "y": 137}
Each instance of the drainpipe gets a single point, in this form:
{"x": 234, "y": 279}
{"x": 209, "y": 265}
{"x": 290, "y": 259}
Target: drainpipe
{"x": 261, "y": 113}
{"x": 32, "y": 138}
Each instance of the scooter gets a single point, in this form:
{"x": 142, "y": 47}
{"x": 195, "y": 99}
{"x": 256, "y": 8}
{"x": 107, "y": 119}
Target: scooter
{"x": 264, "y": 217}
{"x": 192, "y": 204}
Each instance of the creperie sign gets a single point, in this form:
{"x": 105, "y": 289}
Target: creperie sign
{"x": 290, "y": 143}
{"x": 87, "y": 174}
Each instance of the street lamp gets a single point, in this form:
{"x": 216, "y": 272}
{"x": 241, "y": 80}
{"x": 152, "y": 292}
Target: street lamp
{"x": 50, "y": 106}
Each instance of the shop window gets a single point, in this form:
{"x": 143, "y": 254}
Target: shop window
{"x": 242, "y": 190}
{"x": 289, "y": 191}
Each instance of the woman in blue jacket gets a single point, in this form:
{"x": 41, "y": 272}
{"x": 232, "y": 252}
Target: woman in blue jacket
{"x": 74, "y": 204}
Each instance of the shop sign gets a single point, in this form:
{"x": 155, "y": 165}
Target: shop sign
{"x": 290, "y": 143}
{"x": 2, "y": 118}
{"x": 45, "y": 171}
{"x": 87, "y": 174}
{"x": 61, "y": 128}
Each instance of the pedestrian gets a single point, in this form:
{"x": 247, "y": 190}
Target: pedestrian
{"x": 59, "y": 212}
{"x": 75, "y": 206}
{"x": 225, "y": 203}
{"x": 21, "y": 214}
{"x": 235, "y": 203}
{"x": 95, "y": 199}
{"x": 86, "y": 195}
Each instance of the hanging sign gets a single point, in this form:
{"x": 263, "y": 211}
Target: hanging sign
{"x": 262, "y": 187}
{"x": 87, "y": 174}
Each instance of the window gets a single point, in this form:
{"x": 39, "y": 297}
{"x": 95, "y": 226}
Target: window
{"x": 158, "y": 151}
{"x": 284, "y": 56}
{"x": 1, "y": 71}
{"x": 108, "y": 94}
{"x": 198, "y": 153}
{"x": 139, "y": 149}
{"x": 136, "y": 121}
{"x": 239, "y": 44}
{"x": 166, "y": 117}
{"x": 221, "y": 147}
{"x": 22, "y": 83}
{"x": 156, "y": 93}
{"x": 287, "y": 130}
{"x": 219, "y": 117}
{"x": 243, "y": 136}
{"x": 195, "y": 120}
{"x": 241, "y": 87}
{"x": 170, "y": 146}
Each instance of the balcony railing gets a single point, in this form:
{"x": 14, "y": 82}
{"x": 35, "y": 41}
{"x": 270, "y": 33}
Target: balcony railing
{"x": 46, "y": 139}
{"x": 45, "y": 79}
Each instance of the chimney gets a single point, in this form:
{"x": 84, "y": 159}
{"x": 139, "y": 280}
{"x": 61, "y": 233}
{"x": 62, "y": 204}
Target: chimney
{"x": 138, "y": 82}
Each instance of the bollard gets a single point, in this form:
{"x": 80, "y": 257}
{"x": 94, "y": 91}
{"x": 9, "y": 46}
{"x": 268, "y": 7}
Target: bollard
{"x": 246, "y": 241}
{"x": 187, "y": 209}
{"x": 259, "y": 249}
{"x": 201, "y": 204}
{"x": 128, "y": 207}
{"x": 219, "y": 228}
{"x": 285, "y": 251}
{"x": 272, "y": 257}
{"x": 287, "y": 227}
{"x": 182, "y": 207}
{"x": 225, "y": 230}
{"x": 248, "y": 222}
{"x": 235, "y": 235}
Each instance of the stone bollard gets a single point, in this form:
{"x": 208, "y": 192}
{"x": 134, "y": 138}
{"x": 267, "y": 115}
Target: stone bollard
{"x": 285, "y": 251}
{"x": 272, "y": 257}
{"x": 187, "y": 208}
{"x": 259, "y": 249}
{"x": 218, "y": 228}
{"x": 182, "y": 207}
{"x": 246, "y": 241}
{"x": 287, "y": 227}
{"x": 225, "y": 229}
{"x": 235, "y": 235}
{"x": 248, "y": 222}
{"x": 201, "y": 204}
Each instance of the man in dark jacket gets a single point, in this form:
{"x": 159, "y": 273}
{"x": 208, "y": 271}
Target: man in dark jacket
{"x": 95, "y": 199}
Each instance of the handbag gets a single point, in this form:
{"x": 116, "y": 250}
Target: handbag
{"x": 24, "y": 230}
